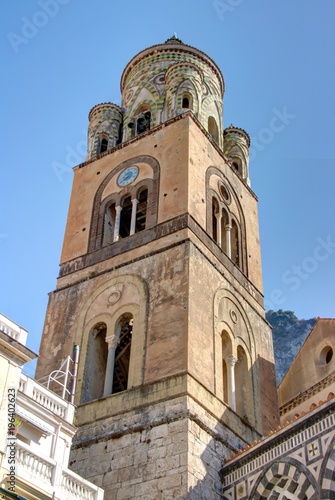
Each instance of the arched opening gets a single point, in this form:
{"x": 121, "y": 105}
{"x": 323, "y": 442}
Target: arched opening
{"x": 237, "y": 164}
{"x": 143, "y": 119}
{"x": 213, "y": 129}
{"x": 224, "y": 223}
{"x": 186, "y": 103}
{"x": 103, "y": 145}
{"x": 215, "y": 211}
{"x": 96, "y": 362}
{"x": 143, "y": 122}
{"x": 141, "y": 210}
{"x": 125, "y": 217}
{"x": 124, "y": 330}
{"x": 109, "y": 223}
{"x": 235, "y": 249}
{"x": 242, "y": 384}
{"x": 226, "y": 351}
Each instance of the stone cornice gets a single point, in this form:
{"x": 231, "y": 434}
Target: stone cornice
{"x": 304, "y": 396}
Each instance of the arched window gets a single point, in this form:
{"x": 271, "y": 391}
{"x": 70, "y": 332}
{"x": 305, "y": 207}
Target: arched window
{"x": 96, "y": 362}
{"x": 241, "y": 381}
{"x": 226, "y": 351}
{"x": 213, "y": 129}
{"x": 103, "y": 145}
{"x": 224, "y": 224}
{"x": 124, "y": 330}
{"x": 125, "y": 218}
{"x": 109, "y": 225}
{"x": 215, "y": 212}
{"x": 141, "y": 210}
{"x": 237, "y": 165}
{"x": 235, "y": 250}
{"x": 186, "y": 102}
{"x": 142, "y": 120}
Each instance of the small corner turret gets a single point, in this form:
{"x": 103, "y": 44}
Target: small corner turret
{"x": 236, "y": 143}
{"x": 105, "y": 126}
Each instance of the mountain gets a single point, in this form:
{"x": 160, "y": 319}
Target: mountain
{"x": 289, "y": 333}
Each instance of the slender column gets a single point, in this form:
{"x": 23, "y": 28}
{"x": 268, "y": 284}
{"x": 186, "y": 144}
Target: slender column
{"x": 133, "y": 216}
{"x": 228, "y": 240}
{"x": 117, "y": 223}
{"x": 231, "y": 360}
{"x": 112, "y": 342}
{"x": 218, "y": 225}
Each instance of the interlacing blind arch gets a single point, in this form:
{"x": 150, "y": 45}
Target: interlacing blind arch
{"x": 225, "y": 221}
{"x": 111, "y": 333}
{"x": 129, "y": 209}
{"x": 234, "y": 356}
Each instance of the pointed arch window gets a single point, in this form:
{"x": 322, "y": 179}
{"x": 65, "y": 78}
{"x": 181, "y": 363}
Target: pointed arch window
{"x": 104, "y": 144}
{"x": 142, "y": 120}
{"x": 226, "y": 231}
{"x": 109, "y": 225}
{"x": 124, "y": 332}
{"x": 108, "y": 359}
{"x": 235, "y": 244}
{"x": 125, "y": 217}
{"x": 187, "y": 101}
{"x": 226, "y": 351}
{"x": 141, "y": 210}
{"x": 213, "y": 129}
{"x": 96, "y": 362}
{"x": 242, "y": 384}
{"x": 215, "y": 213}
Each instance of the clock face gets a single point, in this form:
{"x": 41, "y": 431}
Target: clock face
{"x": 127, "y": 176}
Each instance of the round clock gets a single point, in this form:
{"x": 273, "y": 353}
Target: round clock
{"x": 127, "y": 176}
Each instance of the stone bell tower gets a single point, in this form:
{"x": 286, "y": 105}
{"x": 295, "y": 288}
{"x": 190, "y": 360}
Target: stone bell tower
{"x": 160, "y": 285}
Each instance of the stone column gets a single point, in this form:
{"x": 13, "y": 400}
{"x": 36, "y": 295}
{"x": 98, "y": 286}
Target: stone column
{"x": 117, "y": 223}
{"x": 133, "y": 216}
{"x": 228, "y": 240}
{"x": 231, "y": 360}
{"x": 112, "y": 342}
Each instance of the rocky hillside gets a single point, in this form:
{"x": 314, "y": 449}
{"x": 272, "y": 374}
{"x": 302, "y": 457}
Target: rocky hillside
{"x": 289, "y": 333}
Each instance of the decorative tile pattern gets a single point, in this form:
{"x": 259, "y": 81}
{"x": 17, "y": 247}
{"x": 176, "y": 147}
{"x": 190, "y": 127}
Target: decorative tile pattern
{"x": 298, "y": 463}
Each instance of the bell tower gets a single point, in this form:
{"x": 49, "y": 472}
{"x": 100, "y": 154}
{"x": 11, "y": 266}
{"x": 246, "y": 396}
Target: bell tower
{"x": 160, "y": 286}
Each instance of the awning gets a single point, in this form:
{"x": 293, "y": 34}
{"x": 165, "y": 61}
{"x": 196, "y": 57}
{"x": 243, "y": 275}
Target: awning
{"x": 34, "y": 420}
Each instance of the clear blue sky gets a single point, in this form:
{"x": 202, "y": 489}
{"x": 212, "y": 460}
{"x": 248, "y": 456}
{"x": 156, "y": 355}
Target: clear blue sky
{"x": 61, "y": 57}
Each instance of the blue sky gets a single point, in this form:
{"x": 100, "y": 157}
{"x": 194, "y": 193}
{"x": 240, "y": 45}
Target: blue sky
{"x": 61, "y": 57}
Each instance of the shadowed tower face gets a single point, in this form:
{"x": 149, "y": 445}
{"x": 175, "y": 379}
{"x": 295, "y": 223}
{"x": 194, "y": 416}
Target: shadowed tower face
{"x": 160, "y": 285}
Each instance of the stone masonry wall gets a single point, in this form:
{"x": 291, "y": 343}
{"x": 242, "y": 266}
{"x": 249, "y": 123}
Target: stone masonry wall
{"x": 172, "y": 449}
